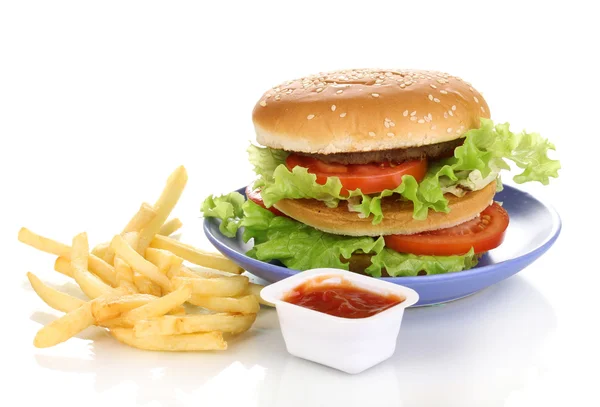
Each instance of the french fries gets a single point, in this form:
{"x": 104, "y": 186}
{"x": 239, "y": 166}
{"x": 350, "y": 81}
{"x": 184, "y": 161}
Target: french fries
{"x": 177, "y": 325}
{"x": 196, "y": 256}
{"x": 170, "y": 227}
{"x": 247, "y": 304}
{"x": 171, "y": 343}
{"x": 137, "y": 285}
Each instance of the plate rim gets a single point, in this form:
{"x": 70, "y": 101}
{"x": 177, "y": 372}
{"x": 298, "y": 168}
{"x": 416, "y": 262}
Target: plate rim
{"x": 435, "y": 278}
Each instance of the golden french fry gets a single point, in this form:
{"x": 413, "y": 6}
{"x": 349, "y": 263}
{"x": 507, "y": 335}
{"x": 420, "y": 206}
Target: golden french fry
{"x": 140, "y": 264}
{"x": 124, "y": 276}
{"x": 247, "y": 304}
{"x": 141, "y": 219}
{"x": 108, "y": 308}
{"x": 170, "y": 227}
{"x": 63, "y": 266}
{"x": 255, "y": 289}
{"x": 100, "y": 250}
{"x": 206, "y": 272}
{"x": 196, "y": 256}
{"x": 187, "y": 324}
{"x": 163, "y": 259}
{"x": 163, "y": 206}
{"x": 54, "y": 298}
{"x": 91, "y": 285}
{"x": 96, "y": 265}
{"x": 65, "y": 327}
{"x": 42, "y": 243}
{"x": 218, "y": 287}
{"x": 144, "y": 285}
{"x": 175, "y": 343}
{"x": 159, "y": 306}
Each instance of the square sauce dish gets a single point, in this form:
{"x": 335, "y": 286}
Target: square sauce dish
{"x": 338, "y": 318}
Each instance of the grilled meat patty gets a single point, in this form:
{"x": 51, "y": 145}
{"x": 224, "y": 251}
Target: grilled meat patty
{"x": 398, "y": 155}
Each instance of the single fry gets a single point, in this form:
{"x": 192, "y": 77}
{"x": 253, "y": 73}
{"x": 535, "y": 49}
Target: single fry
{"x": 63, "y": 266}
{"x": 247, "y": 304}
{"x": 163, "y": 206}
{"x": 100, "y": 250}
{"x": 140, "y": 220}
{"x": 65, "y": 327}
{"x": 159, "y": 306}
{"x": 107, "y": 308}
{"x": 196, "y": 256}
{"x": 42, "y": 243}
{"x": 206, "y": 272}
{"x": 255, "y": 289}
{"x": 140, "y": 264}
{"x": 217, "y": 287}
{"x": 91, "y": 285}
{"x": 187, "y": 324}
{"x": 170, "y": 227}
{"x": 163, "y": 259}
{"x": 175, "y": 343}
{"x": 96, "y": 265}
{"x": 54, "y": 298}
{"x": 124, "y": 276}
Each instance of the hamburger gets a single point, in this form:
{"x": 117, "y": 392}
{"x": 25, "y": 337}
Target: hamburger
{"x": 385, "y": 172}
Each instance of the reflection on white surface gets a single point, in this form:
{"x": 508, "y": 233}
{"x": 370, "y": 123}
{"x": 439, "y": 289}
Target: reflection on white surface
{"x": 487, "y": 343}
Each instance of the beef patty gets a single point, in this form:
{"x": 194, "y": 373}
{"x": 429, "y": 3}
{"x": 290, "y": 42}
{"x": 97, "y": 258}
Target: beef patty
{"x": 398, "y": 155}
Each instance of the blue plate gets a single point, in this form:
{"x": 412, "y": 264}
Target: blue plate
{"x": 534, "y": 227}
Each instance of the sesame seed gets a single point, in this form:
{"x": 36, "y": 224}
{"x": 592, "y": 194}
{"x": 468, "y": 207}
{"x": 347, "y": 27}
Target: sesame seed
{"x": 449, "y": 129}
{"x": 436, "y": 100}
{"x": 310, "y": 116}
{"x": 263, "y": 103}
{"x": 372, "y": 134}
{"x": 450, "y": 113}
{"x": 482, "y": 109}
{"x": 445, "y": 115}
{"x": 390, "y": 134}
{"x": 471, "y": 89}
{"x": 413, "y": 118}
{"x": 475, "y": 99}
{"x": 421, "y": 121}
{"x": 430, "y": 97}
{"x": 343, "y": 114}
{"x": 319, "y": 90}
{"x": 413, "y": 113}
{"x": 453, "y": 107}
{"x": 339, "y": 91}
{"x": 379, "y": 81}
{"x": 443, "y": 92}
{"x": 386, "y": 124}
{"x": 405, "y": 113}
{"x": 375, "y": 95}
{"x": 277, "y": 97}
{"x": 429, "y": 116}
{"x": 333, "y": 108}
{"x": 433, "y": 86}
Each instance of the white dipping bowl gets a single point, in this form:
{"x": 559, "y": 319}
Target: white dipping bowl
{"x": 347, "y": 344}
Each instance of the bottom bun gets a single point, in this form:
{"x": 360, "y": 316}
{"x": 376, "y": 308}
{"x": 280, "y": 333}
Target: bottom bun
{"x": 397, "y": 215}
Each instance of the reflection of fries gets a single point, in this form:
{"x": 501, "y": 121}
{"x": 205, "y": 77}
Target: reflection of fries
{"x": 196, "y": 256}
{"x": 170, "y": 227}
{"x": 138, "y": 292}
{"x": 187, "y": 324}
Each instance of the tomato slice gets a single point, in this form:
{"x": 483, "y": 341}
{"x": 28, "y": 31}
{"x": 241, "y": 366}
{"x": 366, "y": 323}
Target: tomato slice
{"x": 370, "y": 178}
{"x": 483, "y": 233}
{"x": 254, "y": 196}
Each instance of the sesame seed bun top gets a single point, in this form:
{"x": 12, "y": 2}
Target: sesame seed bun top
{"x": 367, "y": 110}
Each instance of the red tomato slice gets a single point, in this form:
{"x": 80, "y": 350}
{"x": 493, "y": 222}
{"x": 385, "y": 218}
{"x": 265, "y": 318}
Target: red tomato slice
{"x": 483, "y": 233}
{"x": 370, "y": 178}
{"x": 254, "y": 196}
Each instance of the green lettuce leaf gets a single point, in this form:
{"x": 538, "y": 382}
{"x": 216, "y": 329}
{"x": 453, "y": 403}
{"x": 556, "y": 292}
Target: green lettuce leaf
{"x": 405, "y": 265}
{"x": 301, "y": 247}
{"x": 475, "y": 164}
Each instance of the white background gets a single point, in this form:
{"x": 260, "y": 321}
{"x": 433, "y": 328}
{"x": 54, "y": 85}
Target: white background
{"x": 99, "y": 101}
